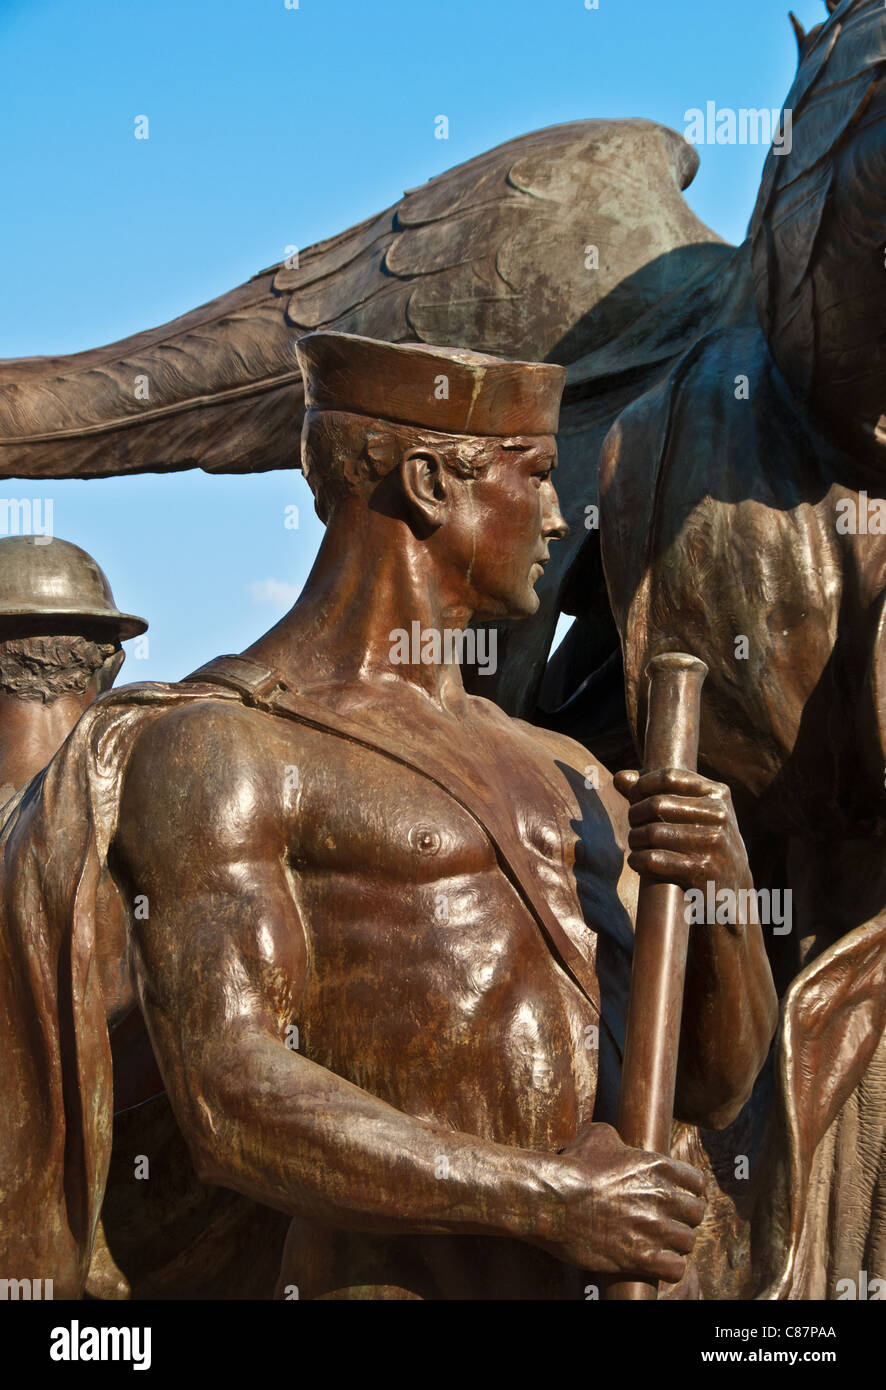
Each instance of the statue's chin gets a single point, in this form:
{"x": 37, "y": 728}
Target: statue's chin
{"x": 515, "y": 606}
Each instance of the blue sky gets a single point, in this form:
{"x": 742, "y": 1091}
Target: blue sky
{"x": 272, "y": 126}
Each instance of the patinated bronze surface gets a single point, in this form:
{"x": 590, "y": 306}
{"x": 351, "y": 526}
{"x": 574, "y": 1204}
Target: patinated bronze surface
{"x": 736, "y": 524}
{"x": 723, "y": 409}
{"x": 60, "y": 635}
{"x": 60, "y": 647}
{"x": 385, "y": 984}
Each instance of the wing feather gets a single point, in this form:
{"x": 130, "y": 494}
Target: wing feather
{"x": 489, "y": 255}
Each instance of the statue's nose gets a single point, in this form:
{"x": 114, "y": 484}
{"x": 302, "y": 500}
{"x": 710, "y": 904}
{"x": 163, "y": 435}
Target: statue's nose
{"x": 554, "y": 525}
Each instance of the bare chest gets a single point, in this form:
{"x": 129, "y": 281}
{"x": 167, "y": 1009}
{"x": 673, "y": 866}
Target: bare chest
{"x": 430, "y": 982}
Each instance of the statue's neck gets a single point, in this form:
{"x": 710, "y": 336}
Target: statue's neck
{"x": 31, "y": 732}
{"x": 367, "y": 586}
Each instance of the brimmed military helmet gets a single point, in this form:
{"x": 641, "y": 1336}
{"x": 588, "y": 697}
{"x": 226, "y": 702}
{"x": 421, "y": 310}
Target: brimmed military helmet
{"x": 51, "y": 578}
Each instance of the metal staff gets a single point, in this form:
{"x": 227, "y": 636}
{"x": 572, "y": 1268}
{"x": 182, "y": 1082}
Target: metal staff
{"x": 661, "y": 940}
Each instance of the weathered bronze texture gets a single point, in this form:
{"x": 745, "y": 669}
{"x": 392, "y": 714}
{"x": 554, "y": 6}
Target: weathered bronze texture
{"x": 60, "y": 647}
{"x": 723, "y": 409}
{"x": 738, "y": 522}
{"x": 383, "y": 951}
{"x": 60, "y": 635}
{"x": 46, "y": 577}
{"x": 483, "y": 256}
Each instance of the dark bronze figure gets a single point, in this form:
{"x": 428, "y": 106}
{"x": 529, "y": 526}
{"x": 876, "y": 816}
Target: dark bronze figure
{"x": 60, "y": 636}
{"x": 739, "y": 522}
{"x": 723, "y": 411}
{"x": 384, "y": 952}
{"x": 60, "y": 647}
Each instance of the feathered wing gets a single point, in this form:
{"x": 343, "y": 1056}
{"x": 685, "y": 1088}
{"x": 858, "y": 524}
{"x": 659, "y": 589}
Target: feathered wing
{"x": 546, "y": 247}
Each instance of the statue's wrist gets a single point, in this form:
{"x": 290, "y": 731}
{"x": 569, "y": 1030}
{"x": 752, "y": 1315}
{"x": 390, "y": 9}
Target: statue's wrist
{"x": 536, "y": 1209}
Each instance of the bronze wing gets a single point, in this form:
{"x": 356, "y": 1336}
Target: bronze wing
{"x": 546, "y": 247}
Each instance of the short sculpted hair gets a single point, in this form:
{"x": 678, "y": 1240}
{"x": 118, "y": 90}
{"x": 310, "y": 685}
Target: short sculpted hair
{"x": 45, "y": 668}
{"x": 342, "y": 453}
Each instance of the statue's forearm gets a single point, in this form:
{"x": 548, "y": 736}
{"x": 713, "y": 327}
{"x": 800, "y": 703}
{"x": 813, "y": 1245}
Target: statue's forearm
{"x": 291, "y": 1134}
{"x": 730, "y": 1011}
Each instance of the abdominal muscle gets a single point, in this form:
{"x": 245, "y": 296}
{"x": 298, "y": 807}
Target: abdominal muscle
{"x": 467, "y": 1023}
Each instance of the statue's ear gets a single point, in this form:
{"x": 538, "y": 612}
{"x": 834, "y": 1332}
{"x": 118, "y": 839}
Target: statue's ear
{"x": 424, "y": 483}
{"x": 109, "y": 670}
{"x": 799, "y": 32}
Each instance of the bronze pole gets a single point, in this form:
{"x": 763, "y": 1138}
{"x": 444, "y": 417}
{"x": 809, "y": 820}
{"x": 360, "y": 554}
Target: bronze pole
{"x": 661, "y": 940}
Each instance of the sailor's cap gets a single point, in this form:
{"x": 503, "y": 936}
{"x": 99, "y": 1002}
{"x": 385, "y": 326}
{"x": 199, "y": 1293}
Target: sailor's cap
{"x": 450, "y": 390}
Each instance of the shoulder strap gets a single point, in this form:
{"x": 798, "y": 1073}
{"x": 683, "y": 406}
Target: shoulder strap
{"x": 266, "y": 689}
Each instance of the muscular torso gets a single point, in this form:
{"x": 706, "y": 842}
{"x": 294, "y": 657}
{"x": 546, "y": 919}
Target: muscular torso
{"x": 430, "y": 983}
{"x": 406, "y": 960}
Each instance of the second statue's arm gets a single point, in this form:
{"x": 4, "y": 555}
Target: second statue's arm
{"x": 683, "y": 830}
